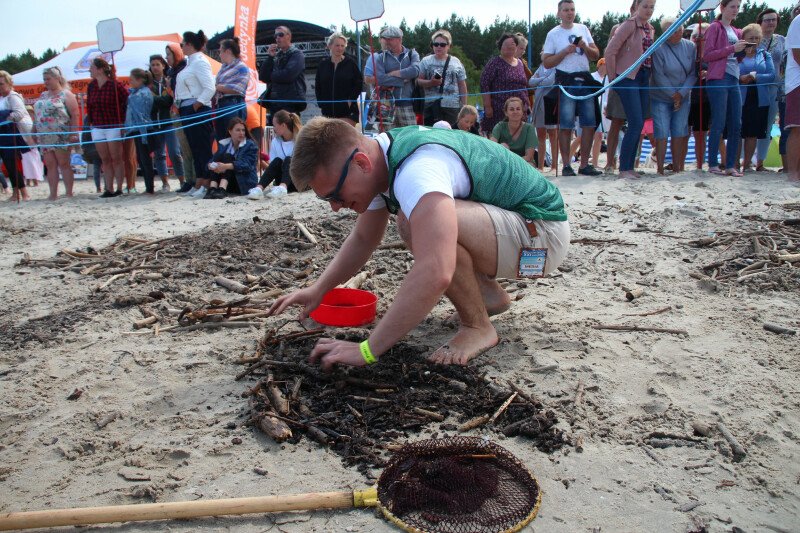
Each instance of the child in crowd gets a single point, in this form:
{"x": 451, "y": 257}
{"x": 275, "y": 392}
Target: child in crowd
{"x": 137, "y": 120}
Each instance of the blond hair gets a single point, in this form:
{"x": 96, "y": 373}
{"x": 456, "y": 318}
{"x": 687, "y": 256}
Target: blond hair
{"x": 442, "y": 33}
{"x": 6, "y": 77}
{"x": 335, "y": 35}
{"x": 323, "y": 142}
{"x": 752, "y": 28}
{"x": 465, "y": 110}
{"x": 55, "y": 72}
{"x": 667, "y": 23}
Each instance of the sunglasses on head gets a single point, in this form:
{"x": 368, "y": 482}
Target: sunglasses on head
{"x": 279, "y": 34}
{"x": 334, "y": 196}
{"x": 438, "y": 45}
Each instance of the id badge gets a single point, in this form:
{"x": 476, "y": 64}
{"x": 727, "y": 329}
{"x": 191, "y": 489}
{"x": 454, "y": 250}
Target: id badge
{"x": 531, "y": 262}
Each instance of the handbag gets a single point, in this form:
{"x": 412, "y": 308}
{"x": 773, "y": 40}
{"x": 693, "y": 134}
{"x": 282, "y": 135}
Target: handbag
{"x": 433, "y": 110}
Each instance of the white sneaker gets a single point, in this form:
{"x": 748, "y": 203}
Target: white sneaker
{"x": 198, "y": 193}
{"x": 255, "y": 193}
{"x": 189, "y": 192}
{"x": 277, "y": 191}
{"x": 165, "y": 187}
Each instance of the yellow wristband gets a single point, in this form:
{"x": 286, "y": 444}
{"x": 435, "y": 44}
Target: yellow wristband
{"x": 366, "y": 353}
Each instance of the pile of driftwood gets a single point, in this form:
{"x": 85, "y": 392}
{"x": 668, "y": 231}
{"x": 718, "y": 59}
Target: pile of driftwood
{"x": 360, "y": 413}
{"x": 766, "y": 258}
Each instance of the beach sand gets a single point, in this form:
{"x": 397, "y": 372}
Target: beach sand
{"x": 176, "y": 408}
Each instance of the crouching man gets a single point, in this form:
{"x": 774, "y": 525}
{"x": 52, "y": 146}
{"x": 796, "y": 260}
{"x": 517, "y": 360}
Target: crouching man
{"x": 467, "y": 208}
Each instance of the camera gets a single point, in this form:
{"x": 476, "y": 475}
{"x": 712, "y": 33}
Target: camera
{"x": 437, "y": 75}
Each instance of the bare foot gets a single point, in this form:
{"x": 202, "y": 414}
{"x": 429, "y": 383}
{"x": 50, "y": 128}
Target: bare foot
{"x": 467, "y": 344}
{"x": 629, "y": 174}
{"x": 52, "y": 198}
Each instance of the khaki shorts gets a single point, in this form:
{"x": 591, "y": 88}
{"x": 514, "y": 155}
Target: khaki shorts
{"x": 512, "y": 234}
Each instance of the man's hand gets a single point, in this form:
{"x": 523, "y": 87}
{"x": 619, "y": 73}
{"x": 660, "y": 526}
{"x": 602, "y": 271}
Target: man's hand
{"x": 570, "y": 49}
{"x": 272, "y": 50}
{"x": 329, "y": 352}
{"x": 676, "y": 100}
{"x": 309, "y": 298}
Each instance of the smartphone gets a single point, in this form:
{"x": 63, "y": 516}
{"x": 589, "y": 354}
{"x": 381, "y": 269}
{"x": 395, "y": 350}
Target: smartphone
{"x": 578, "y": 40}
{"x": 748, "y": 45}
{"x": 437, "y": 76}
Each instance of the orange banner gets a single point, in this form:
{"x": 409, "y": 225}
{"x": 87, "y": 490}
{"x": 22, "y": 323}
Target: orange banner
{"x": 244, "y": 27}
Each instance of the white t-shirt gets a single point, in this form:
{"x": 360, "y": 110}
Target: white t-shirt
{"x": 432, "y": 168}
{"x": 279, "y": 148}
{"x": 792, "y": 68}
{"x": 558, "y": 38}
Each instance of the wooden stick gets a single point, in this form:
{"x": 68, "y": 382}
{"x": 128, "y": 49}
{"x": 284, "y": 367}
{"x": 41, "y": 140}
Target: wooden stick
{"x": 775, "y": 328}
{"x": 620, "y": 327}
{"x": 276, "y": 397}
{"x": 545, "y": 368}
{"x": 503, "y": 408}
{"x": 214, "y": 325}
{"x": 128, "y": 269}
{"x": 429, "y": 414}
{"x": 531, "y": 399}
{"x": 143, "y": 323}
{"x": 272, "y": 426}
{"x": 79, "y": 255}
{"x": 394, "y": 245}
{"x": 356, "y": 281}
{"x": 109, "y": 281}
{"x": 650, "y": 313}
{"x": 473, "y": 423}
{"x": 231, "y": 285}
{"x": 307, "y": 234}
{"x": 632, "y": 294}
{"x": 738, "y": 450}
{"x": 579, "y": 392}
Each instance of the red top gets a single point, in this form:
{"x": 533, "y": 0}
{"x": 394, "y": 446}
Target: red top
{"x": 106, "y": 105}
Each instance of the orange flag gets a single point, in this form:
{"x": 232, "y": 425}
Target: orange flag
{"x": 244, "y": 27}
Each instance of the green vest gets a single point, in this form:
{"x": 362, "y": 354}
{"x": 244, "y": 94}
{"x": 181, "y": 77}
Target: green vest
{"x": 497, "y": 176}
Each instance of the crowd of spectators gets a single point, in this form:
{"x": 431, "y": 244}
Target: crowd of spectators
{"x": 723, "y": 85}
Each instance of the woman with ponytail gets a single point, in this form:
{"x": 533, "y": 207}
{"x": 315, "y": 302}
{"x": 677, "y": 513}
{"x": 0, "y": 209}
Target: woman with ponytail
{"x": 286, "y": 126}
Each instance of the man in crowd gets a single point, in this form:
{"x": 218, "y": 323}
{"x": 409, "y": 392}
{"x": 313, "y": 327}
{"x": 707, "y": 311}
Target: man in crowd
{"x": 792, "y": 79}
{"x": 569, "y": 47}
{"x": 283, "y": 72}
{"x": 396, "y": 68}
{"x": 468, "y": 209}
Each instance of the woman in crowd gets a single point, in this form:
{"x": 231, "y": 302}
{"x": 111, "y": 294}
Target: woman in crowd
{"x": 503, "y": 77}
{"x": 514, "y": 133}
{"x": 444, "y": 79}
{"x": 545, "y": 112}
{"x": 700, "y": 106}
{"x": 673, "y": 76}
{"x": 163, "y": 139}
{"x": 721, "y": 52}
{"x": 106, "y": 104}
{"x": 757, "y": 73}
{"x": 285, "y": 127}
{"x": 177, "y": 62}
{"x": 775, "y": 45}
{"x": 194, "y": 88}
{"x": 57, "y": 119}
{"x": 137, "y": 121}
{"x": 615, "y": 114}
{"x": 234, "y": 162}
{"x": 338, "y": 82}
{"x": 467, "y": 120}
{"x": 631, "y": 40}
{"x": 232, "y": 80}
{"x": 18, "y": 124}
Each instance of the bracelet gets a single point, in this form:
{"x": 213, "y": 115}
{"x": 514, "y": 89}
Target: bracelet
{"x": 366, "y": 353}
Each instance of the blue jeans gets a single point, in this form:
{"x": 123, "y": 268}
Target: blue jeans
{"x": 726, "y": 110}
{"x": 221, "y": 124}
{"x": 568, "y": 107}
{"x": 635, "y": 97}
{"x": 668, "y": 121}
{"x": 161, "y": 143}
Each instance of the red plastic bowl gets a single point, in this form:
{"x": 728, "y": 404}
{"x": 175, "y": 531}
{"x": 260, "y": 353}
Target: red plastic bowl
{"x": 346, "y": 307}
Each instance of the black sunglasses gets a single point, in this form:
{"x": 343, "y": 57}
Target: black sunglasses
{"x": 279, "y": 34}
{"x": 334, "y": 196}
{"x": 438, "y": 45}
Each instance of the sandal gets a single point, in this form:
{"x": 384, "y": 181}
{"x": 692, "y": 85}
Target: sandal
{"x": 733, "y": 173}
{"x": 716, "y": 170}
{"x": 762, "y": 168}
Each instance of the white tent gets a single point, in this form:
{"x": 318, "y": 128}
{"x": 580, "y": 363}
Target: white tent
{"x": 75, "y": 59}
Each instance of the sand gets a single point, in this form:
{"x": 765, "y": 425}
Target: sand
{"x": 179, "y": 408}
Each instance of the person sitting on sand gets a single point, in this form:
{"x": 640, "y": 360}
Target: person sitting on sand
{"x": 234, "y": 162}
{"x": 466, "y": 207}
{"x": 285, "y": 126}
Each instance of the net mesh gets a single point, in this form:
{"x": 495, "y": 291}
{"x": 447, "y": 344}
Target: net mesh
{"x": 458, "y": 484}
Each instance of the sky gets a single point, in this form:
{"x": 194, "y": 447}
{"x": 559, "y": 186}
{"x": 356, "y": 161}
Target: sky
{"x": 41, "y": 24}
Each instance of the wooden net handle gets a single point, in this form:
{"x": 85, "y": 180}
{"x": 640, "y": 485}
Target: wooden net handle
{"x": 175, "y": 510}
